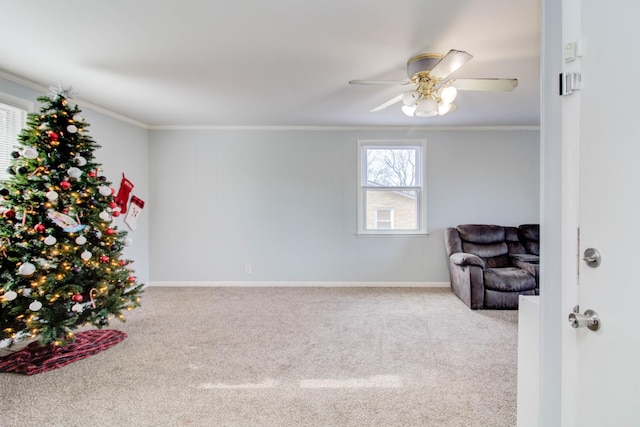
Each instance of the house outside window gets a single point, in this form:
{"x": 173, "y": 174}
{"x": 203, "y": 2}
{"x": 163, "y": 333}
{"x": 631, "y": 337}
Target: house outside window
{"x": 391, "y": 187}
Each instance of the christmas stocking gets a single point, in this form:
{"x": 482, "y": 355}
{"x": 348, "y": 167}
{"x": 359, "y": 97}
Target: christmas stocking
{"x": 134, "y": 211}
{"x": 123, "y": 194}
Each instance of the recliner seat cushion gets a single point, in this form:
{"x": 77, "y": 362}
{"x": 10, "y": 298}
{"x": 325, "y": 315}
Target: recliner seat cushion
{"x": 508, "y": 279}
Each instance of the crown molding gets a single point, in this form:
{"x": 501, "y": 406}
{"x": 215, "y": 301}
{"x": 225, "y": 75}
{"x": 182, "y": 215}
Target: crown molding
{"x": 44, "y": 89}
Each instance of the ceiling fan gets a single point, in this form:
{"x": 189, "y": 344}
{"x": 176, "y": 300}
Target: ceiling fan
{"x": 433, "y": 94}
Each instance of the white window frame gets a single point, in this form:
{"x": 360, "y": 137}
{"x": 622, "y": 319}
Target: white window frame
{"x": 420, "y": 145}
{"x": 7, "y": 146}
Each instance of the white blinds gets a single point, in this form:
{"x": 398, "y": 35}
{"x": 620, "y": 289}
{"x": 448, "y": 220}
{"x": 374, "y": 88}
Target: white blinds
{"x": 12, "y": 120}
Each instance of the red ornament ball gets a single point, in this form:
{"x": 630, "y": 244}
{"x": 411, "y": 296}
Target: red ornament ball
{"x": 112, "y": 205}
{"x": 77, "y": 298}
{"x": 115, "y": 213}
{"x": 53, "y": 136}
{"x": 131, "y": 278}
{"x": 123, "y": 262}
{"x": 40, "y": 228}
{"x": 109, "y": 231}
{"x": 65, "y": 185}
{"x": 9, "y": 214}
{"x": 104, "y": 259}
{"x": 93, "y": 174}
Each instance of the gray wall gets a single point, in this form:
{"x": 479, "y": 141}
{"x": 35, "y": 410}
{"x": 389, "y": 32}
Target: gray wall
{"x": 284, "y": 202}
{"x": 124, "y": 148}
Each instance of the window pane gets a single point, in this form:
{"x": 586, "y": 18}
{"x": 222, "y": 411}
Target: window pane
{"x": 403, "y": 204}
{"x": 391, "y": 167}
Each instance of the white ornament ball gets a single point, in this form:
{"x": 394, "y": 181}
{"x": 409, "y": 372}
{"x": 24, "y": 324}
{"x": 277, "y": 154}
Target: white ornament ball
{"x": 74, "y": 172}
{"x": 26, "y": 269}
{"x": 77, "y": 118}
{"x": 72, "y": 129}
{"x": 26, "y": 292}
{"x": 35, "y": 306}
{"x": 50, "y": 240}
{"x": 10, "y": 296}
{"x": 86, "y": 255}
{"x": 52, "y": 196}
{"x": 80, "y": 161}
{"x": 128, "y": 241}
{"x": 77, "y": 307}
{"x": 104, "y": 190}
{"x": 104, "y": 215}
{"x": 30, "y": 153}
{"x": 81, "y": 240}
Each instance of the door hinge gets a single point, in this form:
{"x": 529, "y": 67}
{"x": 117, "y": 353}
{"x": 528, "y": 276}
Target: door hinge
{"x": 569, "y": 82}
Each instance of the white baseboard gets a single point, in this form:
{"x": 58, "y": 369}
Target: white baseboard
{"x": 306, "y": 284}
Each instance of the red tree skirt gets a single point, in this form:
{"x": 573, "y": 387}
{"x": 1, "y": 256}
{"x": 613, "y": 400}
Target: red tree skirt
{"x": 34, "y": 358}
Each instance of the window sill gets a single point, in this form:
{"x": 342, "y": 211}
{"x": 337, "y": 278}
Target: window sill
{"x": 378, "y": 234}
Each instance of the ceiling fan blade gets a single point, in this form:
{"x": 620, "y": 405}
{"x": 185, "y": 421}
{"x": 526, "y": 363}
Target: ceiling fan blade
{"x": 387, "y": 104}
{"x": 379, "y": 82}
{"x": 450, "y": 63}
{"x": 485, "y": 84}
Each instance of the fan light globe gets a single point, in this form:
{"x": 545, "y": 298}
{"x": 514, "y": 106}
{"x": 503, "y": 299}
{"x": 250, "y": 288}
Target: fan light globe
{"x": 427, "y": 107}
{"x": 409, "y": 99}
{"x": 443, "y": 108}
{"x": 448, "y": 94}
{"x": 408, "y": 110}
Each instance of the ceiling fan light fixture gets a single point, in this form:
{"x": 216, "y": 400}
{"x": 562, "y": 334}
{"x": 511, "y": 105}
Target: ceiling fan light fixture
{"x": 427, "y": 107}
{"x": 435, "y": 90}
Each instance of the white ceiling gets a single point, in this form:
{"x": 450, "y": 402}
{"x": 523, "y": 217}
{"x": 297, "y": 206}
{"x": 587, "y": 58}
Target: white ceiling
{"x": 272, "y": 62}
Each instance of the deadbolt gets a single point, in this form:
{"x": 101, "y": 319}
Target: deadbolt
{"x": 592, "y": 257}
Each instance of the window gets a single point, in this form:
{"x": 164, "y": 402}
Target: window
{"x": 13, "y": 118}
{"x": 392, "y": 187}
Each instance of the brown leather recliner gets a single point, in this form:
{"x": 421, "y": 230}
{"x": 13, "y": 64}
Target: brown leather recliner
{"x": 490, "y": 266}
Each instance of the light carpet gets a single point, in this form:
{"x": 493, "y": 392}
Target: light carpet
{"x": 285, "y": 357}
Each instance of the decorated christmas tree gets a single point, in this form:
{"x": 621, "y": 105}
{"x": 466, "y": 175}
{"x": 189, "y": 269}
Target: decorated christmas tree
{"x": 60, "y": 252}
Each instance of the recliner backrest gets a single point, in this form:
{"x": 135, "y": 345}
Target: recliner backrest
{"x": 530, "y": 237}
{"x": 486, "y": 241}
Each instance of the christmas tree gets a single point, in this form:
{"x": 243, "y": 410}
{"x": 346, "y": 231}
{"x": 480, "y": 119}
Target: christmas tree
{"x": 60, "y": 254}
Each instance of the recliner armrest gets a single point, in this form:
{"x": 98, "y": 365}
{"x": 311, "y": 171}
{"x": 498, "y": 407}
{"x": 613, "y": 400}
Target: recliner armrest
{"x": 463, "y": 258}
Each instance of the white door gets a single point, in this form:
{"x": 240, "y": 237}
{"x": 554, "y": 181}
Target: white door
{"x": 607, "y": 388}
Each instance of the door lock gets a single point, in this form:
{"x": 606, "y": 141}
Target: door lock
{"x": 589, "y": 319}
{"x": 592, "y": 257}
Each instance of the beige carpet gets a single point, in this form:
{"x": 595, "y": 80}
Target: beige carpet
{"x": 285, "y": 357}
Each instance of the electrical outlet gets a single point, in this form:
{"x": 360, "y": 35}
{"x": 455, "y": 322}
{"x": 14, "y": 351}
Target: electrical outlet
{"x": 247, "y": 269}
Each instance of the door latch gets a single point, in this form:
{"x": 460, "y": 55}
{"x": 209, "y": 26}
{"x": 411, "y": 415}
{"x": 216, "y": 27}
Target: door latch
{"x": 569, "y": 83}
